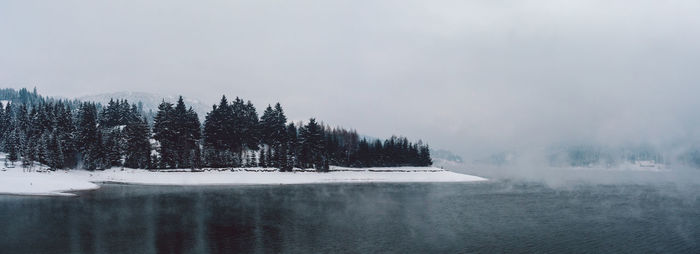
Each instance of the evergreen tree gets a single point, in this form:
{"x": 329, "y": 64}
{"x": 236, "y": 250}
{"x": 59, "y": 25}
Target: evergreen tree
{"x": 65, "y": 133}
{"x": 216, "y": 149}
{"x": 267, "y": 126}
{"x": 6, "y": 127}
{"x": 263, "y": 159}
{"x": 3, "y": 126}
{"x": 252, "y": 159}
{"x": 54, "y": 153}
{"x": 251, "y": 128}
{"x": 424, "y": 157}
{"x": 292, "y": 146}
{"x": 165, "y": 133}
{"x": 12, "y": 146}
{"x": 113, "y": 147}
{"x": 87, "y": 138}
{"x": 311, "y": 139}
{"x": 191, "y": 134}
{"x": 138, "y": 146}
{"x": 99, "y": 153}
{"x": 270, "y": 158}
{"x": 178, "y": 132}
{"x": 274, "y": 135}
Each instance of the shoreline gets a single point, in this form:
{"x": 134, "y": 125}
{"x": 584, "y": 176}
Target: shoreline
{"x": 64, "y": 182}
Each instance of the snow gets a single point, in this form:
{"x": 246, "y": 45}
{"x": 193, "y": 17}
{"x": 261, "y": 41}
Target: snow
{"x": 271, "y": 176}
{"x": 13, "y": 180}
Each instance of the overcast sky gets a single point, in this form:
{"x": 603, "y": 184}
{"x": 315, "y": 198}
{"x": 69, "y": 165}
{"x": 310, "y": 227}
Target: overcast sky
{"x": 470, "y": 76}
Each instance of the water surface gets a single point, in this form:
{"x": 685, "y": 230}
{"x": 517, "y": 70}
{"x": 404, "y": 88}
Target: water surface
{"x": 494, "y": 216}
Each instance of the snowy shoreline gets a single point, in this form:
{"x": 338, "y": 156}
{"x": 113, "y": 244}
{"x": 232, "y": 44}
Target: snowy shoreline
{"x": 14, "y": 181}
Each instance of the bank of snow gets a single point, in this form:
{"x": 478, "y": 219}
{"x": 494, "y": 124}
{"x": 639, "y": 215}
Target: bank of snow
{"x": 59, "y": 183}
{"x": 15, "y": 181}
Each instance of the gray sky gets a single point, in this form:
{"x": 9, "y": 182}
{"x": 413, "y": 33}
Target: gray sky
{"x": 470, "y": 76}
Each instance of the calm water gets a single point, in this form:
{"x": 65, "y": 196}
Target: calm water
{"x": 356, "y": 218}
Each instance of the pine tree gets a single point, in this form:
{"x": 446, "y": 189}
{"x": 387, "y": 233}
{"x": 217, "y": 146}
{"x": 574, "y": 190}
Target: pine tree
{"x": 284, "y": 161}
{"x": 87, "y": 139}
{"x": 8, "y": 126}
{"x": 279, "y": 131}
{"x": 180, "y": 133}
{"x": 3, "y": 126}
{"x": 54, "y": 153}
{"x": 292, "y": 146}
{"x": 191, "y": 135}
{"x": 425, "y": 156}
{"x": 65, "y": 131}
{"x": 12, "y": 146}
{"x": 28, "y": 154}
{"x": 113, "y": 147}
{"x": 267, "y": 125}
{"x": 251, "y": 128}
{"x": 252, "y": 159}
{"x": 263, "y": 159}
{"x": 165, "y": 133}
{"x": 214, "y": 136}
{"x": 99, "y": 153}
{"x": 313, "y": 150}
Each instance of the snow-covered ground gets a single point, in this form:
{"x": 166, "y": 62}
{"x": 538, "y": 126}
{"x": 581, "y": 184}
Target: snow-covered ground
{"x": 16, "y": 181}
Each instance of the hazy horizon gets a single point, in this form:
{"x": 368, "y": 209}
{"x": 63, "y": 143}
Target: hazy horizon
{"x": 474, "y": 77}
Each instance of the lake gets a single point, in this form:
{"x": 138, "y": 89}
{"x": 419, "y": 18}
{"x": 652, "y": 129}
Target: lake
{"x": 495, "y": 216}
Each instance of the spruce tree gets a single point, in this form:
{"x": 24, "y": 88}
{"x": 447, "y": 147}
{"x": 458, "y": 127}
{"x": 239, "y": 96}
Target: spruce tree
{"x": 216, "y": 148}
{"x": 191, "y": 135}
{"x": 180, "y": 134}
{"x": 65, "y": 131}
{"x": 267, "y": 126}
{"x": 165, "y": 133}
{"x": 55, "y": 153}
{"x": 3, "y": 126}
{"x": 87, "y": 139}
{"x": 12, "y": 146}
{"x": 425, "y": 156}
{"x": 138, "y": 145}
{"x": 251, "y": 128}
{"x": 211, "y": 141}
{"x": 253, "y": 160}
{"x": 263, "y": 159}
{"x": 113, "y": 147}
{"x": 8, "y": 126}
{"x": 311, "y": 139}
{"x": 292, "y": 146}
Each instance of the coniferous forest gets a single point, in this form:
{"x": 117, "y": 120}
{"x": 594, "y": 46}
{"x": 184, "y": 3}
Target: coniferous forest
{"x": 63, "y": 134}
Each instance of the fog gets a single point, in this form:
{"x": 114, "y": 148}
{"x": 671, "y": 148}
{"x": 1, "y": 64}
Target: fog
{"x": 474, "y": 77}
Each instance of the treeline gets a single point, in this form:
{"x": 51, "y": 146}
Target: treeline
{"x": 70, "y": 134}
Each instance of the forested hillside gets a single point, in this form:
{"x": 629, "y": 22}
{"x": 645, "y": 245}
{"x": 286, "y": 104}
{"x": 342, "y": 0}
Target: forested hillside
{"x": 82, "y": 134}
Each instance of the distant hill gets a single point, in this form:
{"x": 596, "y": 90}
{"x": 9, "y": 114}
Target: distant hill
{"x": 445, "y": 155}
{"x": 149, "y": 101}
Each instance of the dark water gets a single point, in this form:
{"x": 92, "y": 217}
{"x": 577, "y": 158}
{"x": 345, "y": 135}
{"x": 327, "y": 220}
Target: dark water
{"x": 363, "y": 218}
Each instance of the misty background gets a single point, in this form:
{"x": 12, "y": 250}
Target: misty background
{"x": 486, "y": 80}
